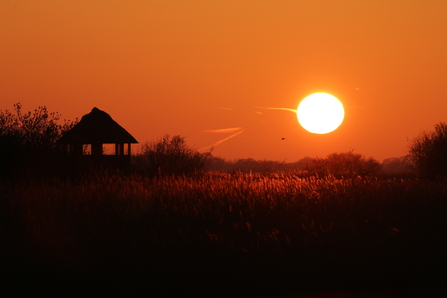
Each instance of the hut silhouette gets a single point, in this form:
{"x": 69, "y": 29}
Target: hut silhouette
{"x": 98, "y": 142}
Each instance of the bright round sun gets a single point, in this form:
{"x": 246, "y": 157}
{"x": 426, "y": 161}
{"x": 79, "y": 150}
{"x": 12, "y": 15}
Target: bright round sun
{"x": 320, "y": 113}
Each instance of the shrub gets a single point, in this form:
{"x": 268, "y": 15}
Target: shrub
{"x": 428, "y": 152}
{"x": 346, "y": 164}
{"x": 28, "y": 141}
{"x": 169, "y": 156}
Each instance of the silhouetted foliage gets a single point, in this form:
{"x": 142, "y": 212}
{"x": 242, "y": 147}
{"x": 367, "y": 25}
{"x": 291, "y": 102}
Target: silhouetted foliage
{"x": 428, "y": 152}
{"x": 347, "y": 164}
{"x": 247, "y": 165}
{"x": 397, "y": 166}
{"x": 169, "y": 156}
{"x": 28, "y": 141}
{"x": 214, "y": 163}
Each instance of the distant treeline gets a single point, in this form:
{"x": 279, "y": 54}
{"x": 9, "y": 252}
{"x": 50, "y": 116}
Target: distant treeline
{"x": 338, "y": 164}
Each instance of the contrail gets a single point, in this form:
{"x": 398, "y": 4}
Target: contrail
{"x": 283, "y": 109}
{"x": 223, "y": 140}
{"x": 236, "y": 130}
{"x": 224, "y": 130}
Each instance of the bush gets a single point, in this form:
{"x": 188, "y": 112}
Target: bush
{"x": 428, "y": 152}
{"x": 169, "y": 156}
{"x": 346, "y": 164}
{"x": 28, "y": 141}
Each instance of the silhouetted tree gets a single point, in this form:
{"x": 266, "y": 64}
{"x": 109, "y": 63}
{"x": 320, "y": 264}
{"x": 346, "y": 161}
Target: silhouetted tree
{"x": 300, "y": 164}
{"x": 246, "y": 165}
{"x": 214, "y": 163}
{"x": 428, "y": 152}
{"x": 396, "y": 166}
{"x": 28, "y": 141}
{"x": 347, "y": 164}
{"x": 169, "y": 156}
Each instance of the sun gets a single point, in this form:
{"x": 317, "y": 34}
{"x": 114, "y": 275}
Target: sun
{"x": 320, "y": 113}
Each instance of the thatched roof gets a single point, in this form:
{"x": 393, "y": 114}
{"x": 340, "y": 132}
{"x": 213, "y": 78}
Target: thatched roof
{"x": 97, "y": 127}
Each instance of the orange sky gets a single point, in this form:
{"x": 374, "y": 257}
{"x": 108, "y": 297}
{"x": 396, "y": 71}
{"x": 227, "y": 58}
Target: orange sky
{"x": 194, "y": 67}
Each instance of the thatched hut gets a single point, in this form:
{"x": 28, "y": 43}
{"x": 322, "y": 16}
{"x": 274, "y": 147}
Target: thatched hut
{"x": 98, "y": 141}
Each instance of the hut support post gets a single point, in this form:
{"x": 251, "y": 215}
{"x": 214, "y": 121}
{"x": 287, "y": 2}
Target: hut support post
{"x": 96, "y": 149}
{"x": 119, "y": 149}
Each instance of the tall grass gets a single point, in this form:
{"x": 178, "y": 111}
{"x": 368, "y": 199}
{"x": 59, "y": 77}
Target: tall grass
{"x": 229, "y": 233}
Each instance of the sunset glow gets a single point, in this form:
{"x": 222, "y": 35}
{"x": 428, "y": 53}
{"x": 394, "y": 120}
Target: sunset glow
{"x": 184, "y": 67}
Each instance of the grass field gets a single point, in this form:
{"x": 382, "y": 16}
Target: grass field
{"x": 222, "y": 234}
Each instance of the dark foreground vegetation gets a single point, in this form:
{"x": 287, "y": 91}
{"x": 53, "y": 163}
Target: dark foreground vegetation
{"x": 220, "y": 234}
